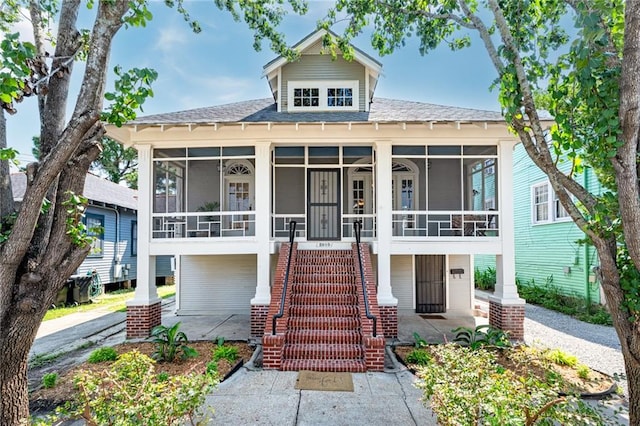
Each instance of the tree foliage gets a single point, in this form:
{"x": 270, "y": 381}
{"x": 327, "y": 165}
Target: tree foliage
{"x": 576, "y": 60}
{"x": 43, "y": 243}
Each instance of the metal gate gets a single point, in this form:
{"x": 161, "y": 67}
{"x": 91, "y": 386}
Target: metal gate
{"x": 430, "y": 285}
{"x": 323, "y": 210}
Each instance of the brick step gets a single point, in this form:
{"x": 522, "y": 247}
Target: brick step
{"x": 323, "y": 311}
{"x": 324, "y": 288}
{"x": 338, "y": 365}
{"x": 306, "y": 268}
{"x": 349, "y": 337}
{"x": 324, "y": 278}
{"x": 324, "y": 323}
{"x": 323, "y": 351}
{"x": 323, "y": 299}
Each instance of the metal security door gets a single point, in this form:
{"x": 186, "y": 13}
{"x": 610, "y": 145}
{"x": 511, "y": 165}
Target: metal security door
{"x": 430, "y": 289}
{"x": 323, "y": 210}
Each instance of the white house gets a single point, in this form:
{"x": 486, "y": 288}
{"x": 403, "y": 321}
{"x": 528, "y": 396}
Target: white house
{"x": 219, "y": 188}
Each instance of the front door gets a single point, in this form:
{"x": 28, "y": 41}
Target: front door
{"x": 323, "y": 209}
{"x": 430, "y": 285}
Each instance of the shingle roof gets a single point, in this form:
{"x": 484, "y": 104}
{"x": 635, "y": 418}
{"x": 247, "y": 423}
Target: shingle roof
{"x": 95, "y": 189}
{"x": 264, "y": 110}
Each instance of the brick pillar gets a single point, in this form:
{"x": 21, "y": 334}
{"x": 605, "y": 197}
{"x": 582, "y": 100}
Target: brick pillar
{"x": 389, "y": 317}
{"x": 142, "y": 318}
{"x": 374, "y": 353}
{"x": 507, "y": 317}
{"x": 259, "y": 315}
{"x": 272, "y": 350}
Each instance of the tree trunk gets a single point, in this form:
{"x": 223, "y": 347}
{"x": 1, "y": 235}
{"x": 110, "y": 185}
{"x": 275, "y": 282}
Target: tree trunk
{"x": 6, "y": 196}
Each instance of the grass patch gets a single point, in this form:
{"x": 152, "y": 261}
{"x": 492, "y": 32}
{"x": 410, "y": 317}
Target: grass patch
{"x": 113, "y": 302}
{"x": 40, "y": 360}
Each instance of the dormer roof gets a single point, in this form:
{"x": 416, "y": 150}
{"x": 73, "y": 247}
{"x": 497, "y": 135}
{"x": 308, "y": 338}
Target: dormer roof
{"x": 311, "y": 40}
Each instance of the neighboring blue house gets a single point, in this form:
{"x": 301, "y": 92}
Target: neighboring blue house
{"x": 113, "y": 256}
{"x": 546, "y": 239}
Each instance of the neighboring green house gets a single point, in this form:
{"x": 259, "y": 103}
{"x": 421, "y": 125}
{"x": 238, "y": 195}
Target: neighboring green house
{"x": 546, "y": 239}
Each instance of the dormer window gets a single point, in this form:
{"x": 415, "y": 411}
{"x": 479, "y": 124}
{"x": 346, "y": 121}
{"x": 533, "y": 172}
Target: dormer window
{"x": 323, "y": 95}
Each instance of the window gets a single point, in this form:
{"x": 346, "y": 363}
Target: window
{"x": 307, "y": 97}
{"x": 134, "y": 238}
{"x": 323, "y": 95}
{"x": 546, "y": 207}
{"x": 95, "y": 229}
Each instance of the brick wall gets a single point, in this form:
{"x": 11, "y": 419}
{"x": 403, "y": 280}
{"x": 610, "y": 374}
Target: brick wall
{"x": 272, "y": 348}
{"x": 508, "y": 318}
{"x": 389, "y": 316}
{"x": 259, "y": 315}
{"x": 374, "y": 353}
{"x": 141, "y": 319}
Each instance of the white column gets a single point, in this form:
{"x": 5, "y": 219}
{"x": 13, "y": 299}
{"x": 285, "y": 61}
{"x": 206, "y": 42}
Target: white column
{"x": 146, "y": 292}
{"x": 263, "y": 221}
{"x": 384, "y": 207}
{"x": 506, "y": 291}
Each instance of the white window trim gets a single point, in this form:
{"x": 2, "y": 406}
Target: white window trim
{"x": 551, "y": 206}
{"x": 323, "y": 85}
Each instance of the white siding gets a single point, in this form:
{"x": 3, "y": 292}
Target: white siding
{"x": 460, "y": 285}
{"x": 402, "y": 281}
{"x": 222, "y": 284}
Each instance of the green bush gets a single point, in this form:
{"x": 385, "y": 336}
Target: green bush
{"x": 550, "y": 297}
{"x": 419, "y": 357}
{"x": 131, "y": 393}
{"x": 212, "y": 367}
{"x": 485, "y": 280}
{"x": 171, "y": 343}
{"x": 560, "y": 357}
{"x": 102, "y": 355}
{"x": 482, "y": 335}
{"x": 163, "y": 376}
{"x": 230, "y": 353}
{"x": 49, "y": 380}
{"x": 468, "y": 387}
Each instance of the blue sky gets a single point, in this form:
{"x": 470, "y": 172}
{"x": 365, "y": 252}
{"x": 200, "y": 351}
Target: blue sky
{"x": 220, "y": 66}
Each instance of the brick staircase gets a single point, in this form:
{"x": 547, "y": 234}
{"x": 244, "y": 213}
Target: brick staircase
{"x": 324, "y": 317}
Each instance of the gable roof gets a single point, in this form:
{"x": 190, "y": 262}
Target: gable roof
{"x": 309, "y": 41}
{"x": 265, "y": 111}
{"x": 97, "y": 190}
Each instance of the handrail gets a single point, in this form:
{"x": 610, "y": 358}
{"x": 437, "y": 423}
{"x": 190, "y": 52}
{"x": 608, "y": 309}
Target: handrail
{"x": 357, "y": 227}
{"x": 280, "y": 314}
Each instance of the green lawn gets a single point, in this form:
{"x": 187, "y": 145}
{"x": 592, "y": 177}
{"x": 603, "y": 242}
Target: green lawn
{"x": 113, "y": 301}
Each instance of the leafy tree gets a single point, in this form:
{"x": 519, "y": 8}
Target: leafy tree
{"x": 43, "y": 243}
{"x": 587, "y": 79}
{"x": 118, "y": 163}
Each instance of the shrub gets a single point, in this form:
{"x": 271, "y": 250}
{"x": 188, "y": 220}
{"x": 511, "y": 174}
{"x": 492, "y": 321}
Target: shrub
{"x": 583, "y": 371}
{"x": 131, "y": 393}
{"x": 212, "y": 367}
{"x": 482, "y": 335}
{"x": 230, "y": 353}
{"x": 102, "y": 355}
{"x": 485, "y": 280}
{"x": 465, "y": 386}
{"x": 560, "y": 357}
{"x": 170, "y": 343}
{"x": 163, "y": 376}
{"x": 418, "y": 357}
{"x": 49, "y": 380}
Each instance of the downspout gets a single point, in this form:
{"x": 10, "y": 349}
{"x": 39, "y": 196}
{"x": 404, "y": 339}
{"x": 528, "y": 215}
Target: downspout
{"x": 587, "y": 266}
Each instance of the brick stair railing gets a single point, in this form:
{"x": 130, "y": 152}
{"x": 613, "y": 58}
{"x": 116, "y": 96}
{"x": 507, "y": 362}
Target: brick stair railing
{"x": 324, "y": 322}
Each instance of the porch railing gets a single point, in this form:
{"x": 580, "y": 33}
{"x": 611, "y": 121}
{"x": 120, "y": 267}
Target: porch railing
{"x": 204, "y": 225}
{"x": 280, "y": 314}
{"x": 418, "y": 223}
{"x": 357, "y": 227}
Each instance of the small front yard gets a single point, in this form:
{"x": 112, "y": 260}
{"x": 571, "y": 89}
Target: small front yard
{"x": 111, "y": 302}
{"x": 482, "y": 379}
